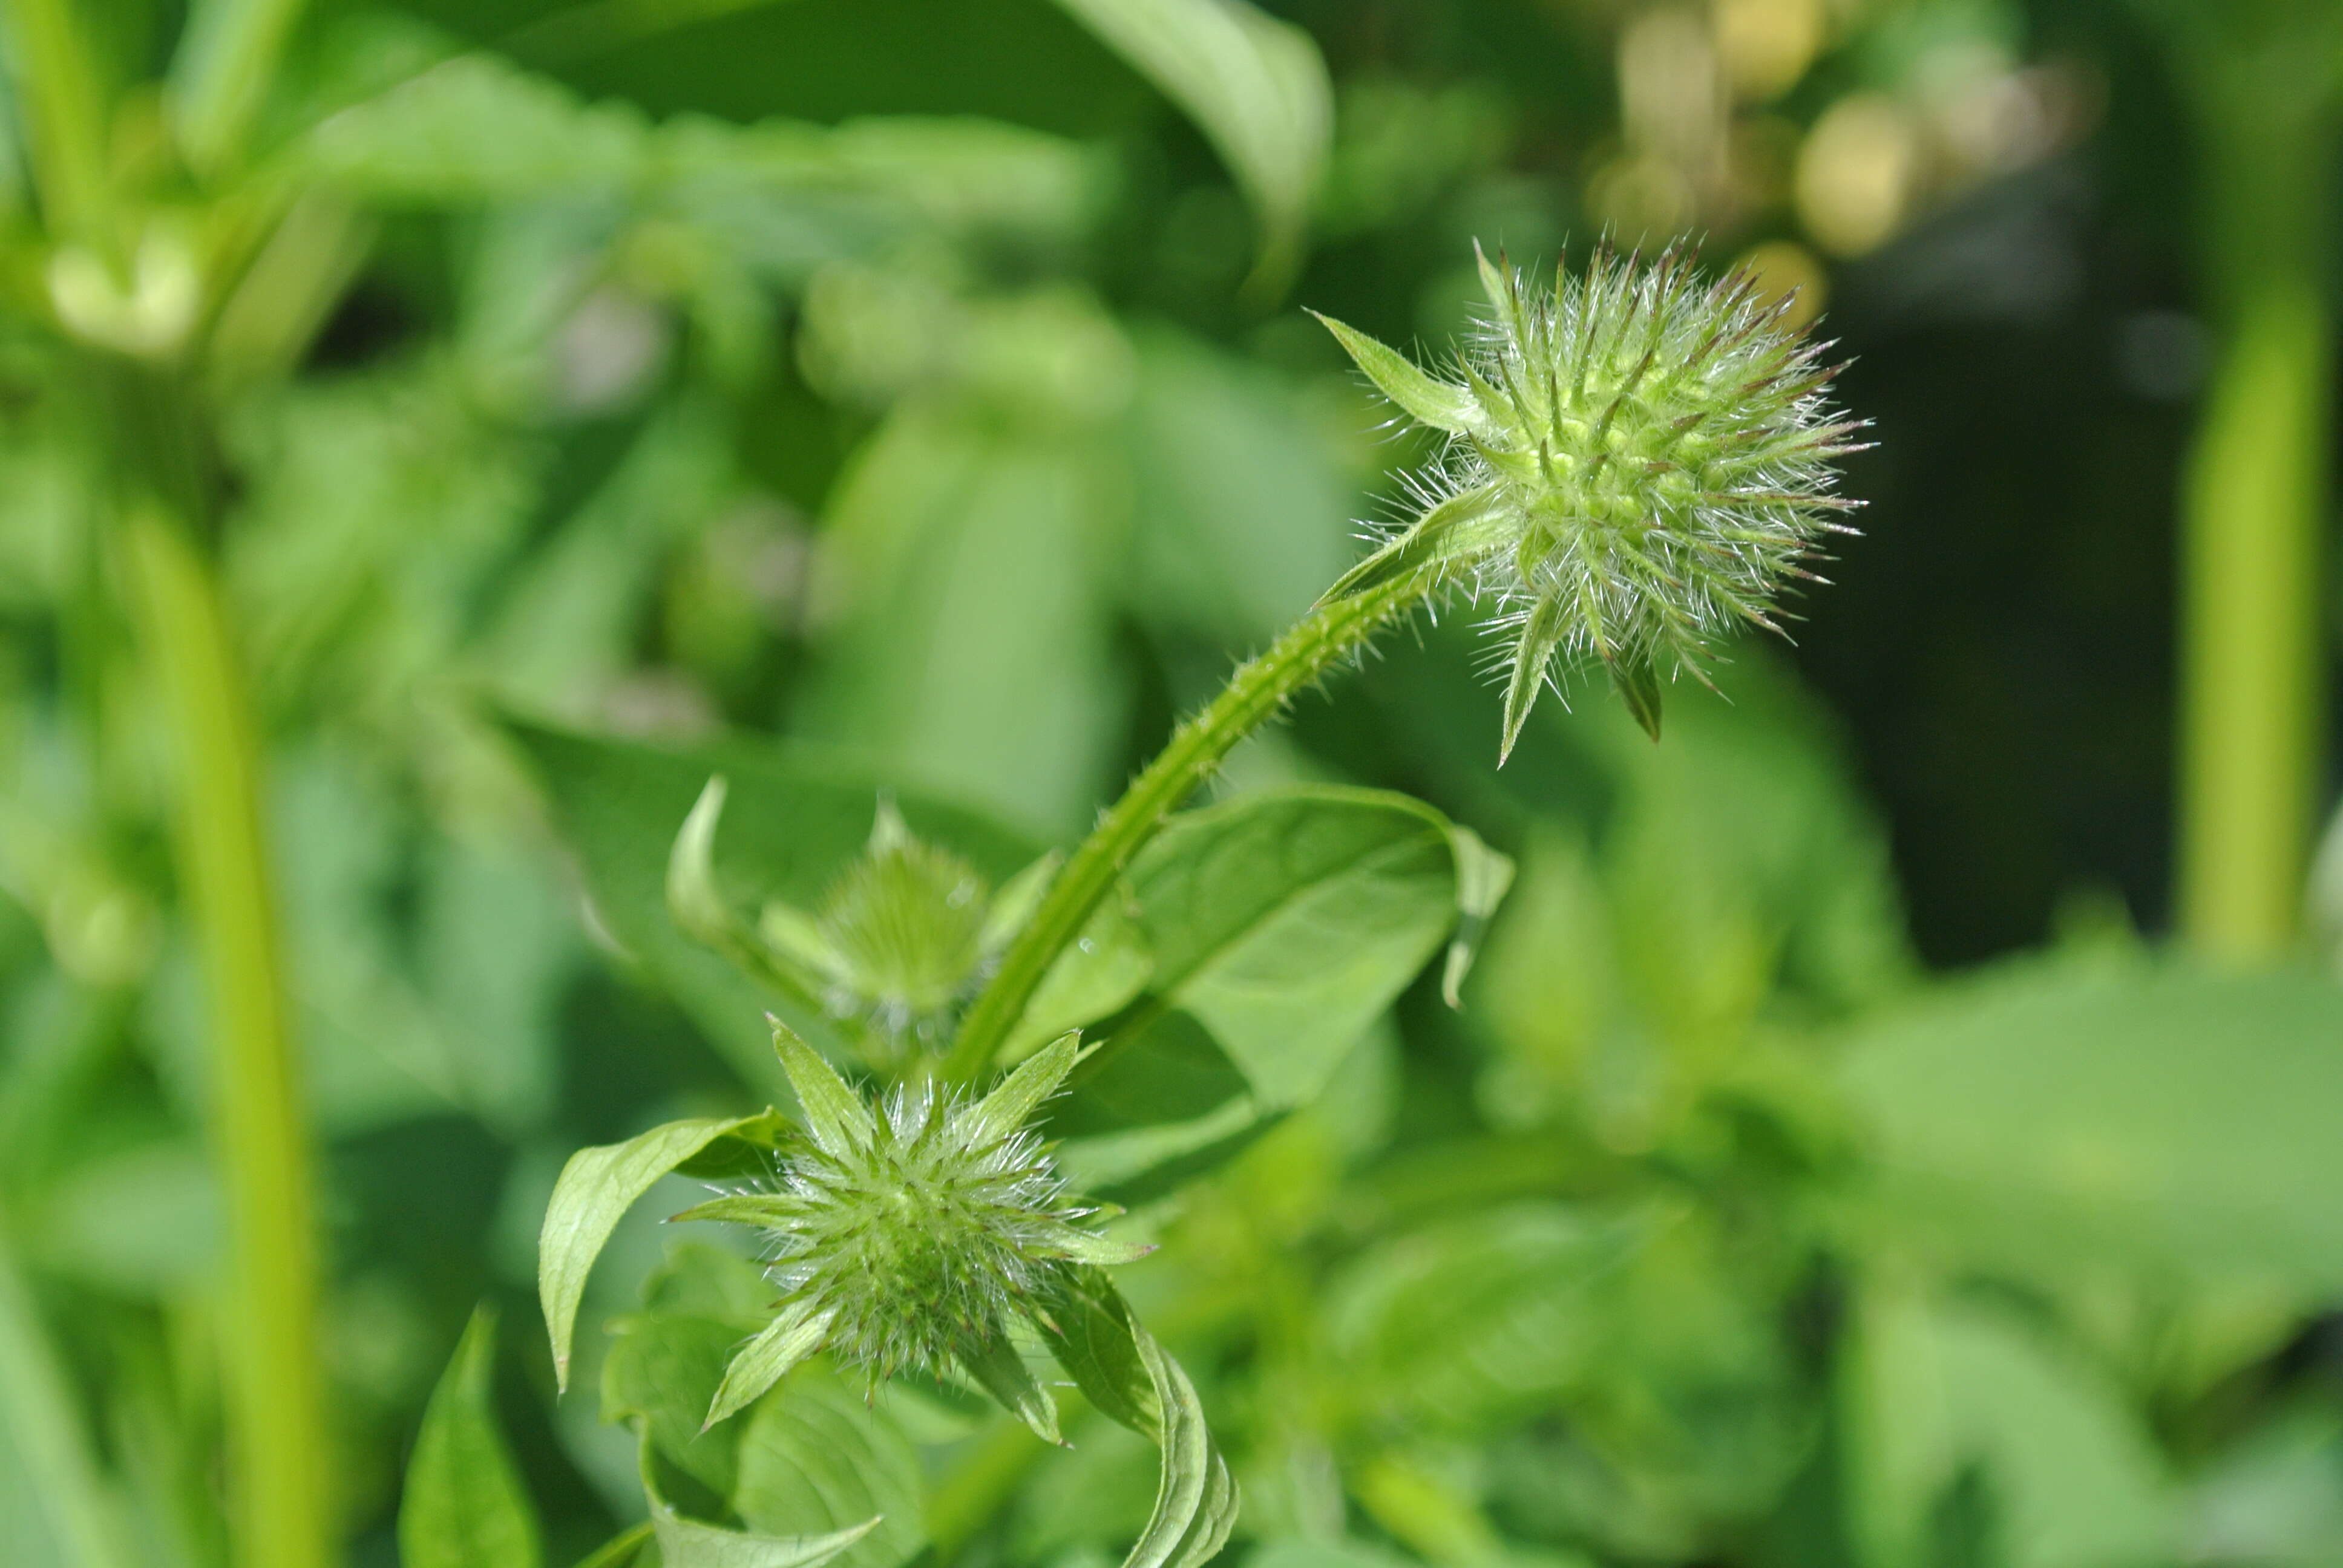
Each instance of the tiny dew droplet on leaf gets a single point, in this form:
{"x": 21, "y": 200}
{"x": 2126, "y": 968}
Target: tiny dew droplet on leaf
{"x": 1638, "y": 463}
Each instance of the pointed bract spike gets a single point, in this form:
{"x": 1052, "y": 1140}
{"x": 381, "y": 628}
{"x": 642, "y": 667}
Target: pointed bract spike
{"x": 1442, "y": 536}
{"x": 991, "y": 1360}
{"x": 769, "y": 1209}
{"x": 888, "y": 830}
{"x": 692, "y": 899}
{"x": 788, "y": 1339}
{"x": 1079, "y": 1246}
{"x": 1012, "y": 1102}
{"x": 834, "y": 1115}
{"x": 1638, "y": 686}
{"x": 1541, "y": 635}
{"x": 1497, "y": 280}
{"x": 1420, "y": 396}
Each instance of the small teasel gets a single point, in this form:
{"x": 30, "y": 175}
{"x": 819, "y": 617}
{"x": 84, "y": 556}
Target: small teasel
{"x": 902, "y": 936}
{"x": 1638, "y": 463}
{"x": 909, "y": 1235}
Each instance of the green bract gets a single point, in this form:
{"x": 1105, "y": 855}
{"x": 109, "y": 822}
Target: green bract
{"x": 907, "y": 1235}
{"x": 1638, "y": 463}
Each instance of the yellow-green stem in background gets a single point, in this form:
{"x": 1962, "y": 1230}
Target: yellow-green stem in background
{"x": 280, "y": 1478}
{"x": 2255, "y": 508}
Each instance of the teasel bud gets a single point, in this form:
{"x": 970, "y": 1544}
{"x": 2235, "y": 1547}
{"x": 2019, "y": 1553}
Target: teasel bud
{"x": 1637, "y": 463}
{"x": 908, "y": 1236}
{"x": 900, "y": 937}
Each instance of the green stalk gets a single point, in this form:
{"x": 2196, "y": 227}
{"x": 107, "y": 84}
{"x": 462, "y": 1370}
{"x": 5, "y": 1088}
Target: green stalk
{"x": 66, "y": 118}
{"x": 278, "y": 1473}
{"x": 1330, "y": 632}
{"x": 2255, "y": 510}
{"x": 45, "y": 1430}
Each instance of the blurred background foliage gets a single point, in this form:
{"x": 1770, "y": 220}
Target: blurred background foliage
{"x": 921, "y": 387}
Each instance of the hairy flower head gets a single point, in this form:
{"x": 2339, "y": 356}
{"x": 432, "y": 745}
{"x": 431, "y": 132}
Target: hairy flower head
{"x": 1637, "y": 463}
{"x": 905, "y": 1236}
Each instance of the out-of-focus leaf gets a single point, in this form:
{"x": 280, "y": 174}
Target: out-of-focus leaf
{"x": 1466, "y": 1322}
{"x": 972, "y": 654}
{"x": 1295, "y": 1552}
{"x": 145, "y": 1220}
{"x": 1936, "y": 1389}
{"x": 477, "y": 129}
{"x": 793, "y": 821}
{"x": 226, "y": 63}
{"x": 1255, "y": 84}
{"x": 2101, "y": 1107}
{"x": 2276, "y": 1497}
{"x": 599, "y": 1185}
{"x": 58, "y": 1507}
{"x": 464, "y": 1505}
{"x": 1242, "y": 512}
{"x": 817, "y": 1456}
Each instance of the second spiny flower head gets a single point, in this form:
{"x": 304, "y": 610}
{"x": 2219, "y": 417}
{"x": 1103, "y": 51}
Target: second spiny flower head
{"x": 1638, "y": 464}
{"x": 906, "y": 1235}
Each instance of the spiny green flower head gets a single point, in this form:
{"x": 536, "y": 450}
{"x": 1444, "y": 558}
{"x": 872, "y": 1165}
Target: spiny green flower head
{"x": 1638, "y": 464}
{"x": 904, "y": 1236}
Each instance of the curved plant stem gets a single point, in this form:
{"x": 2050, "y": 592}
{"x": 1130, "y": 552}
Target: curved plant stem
{"x": 1330, "y": 633}
{"x": 2255, "y": 508}
{"x": 277, "y": 1451}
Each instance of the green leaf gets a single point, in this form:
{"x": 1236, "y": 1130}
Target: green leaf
{"x": 1097, "y": 974}
{"x": 1933, "y": 1388}
{"x": 1471, "y": 1321}
{"x": 620, "y": 1549}
{"x": 228, "y": 58}
{"x": 685, "y": 1543}
{"x": 1302, "y": 1551}
{"x": 792, "y": 821}
{"x": 796, "y": 1332}
{"x": 1256, "y": 87}
{"x": 464, "y": 1506}
{"x": 1427, "y": 401}
{"x": 817, "y": 1455}
{"x": 663, "y": 1368}
{"x": 55, "y": 1492}
{"x": 1483, "y": 878}
{"x": 477, "y": 129}
{"x": 1131, "y": 1380}
{"x": 1285, "y": 921}
{"x": 595, "y": 1188}
{"x": 2059, "y": 1110}
{"x": 1243, "y": 501}
{"x": 973, "y": 647}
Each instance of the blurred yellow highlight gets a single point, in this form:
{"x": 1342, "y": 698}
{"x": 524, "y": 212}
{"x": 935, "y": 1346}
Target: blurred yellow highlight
{"x": 1785, "y": 270}
{"x": 1766, "y": 44}
{"x": 1855, "y": 173}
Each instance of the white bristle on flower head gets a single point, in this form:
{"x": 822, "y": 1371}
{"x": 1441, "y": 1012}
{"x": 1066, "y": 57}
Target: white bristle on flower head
{"x": 1637, "y": 463}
